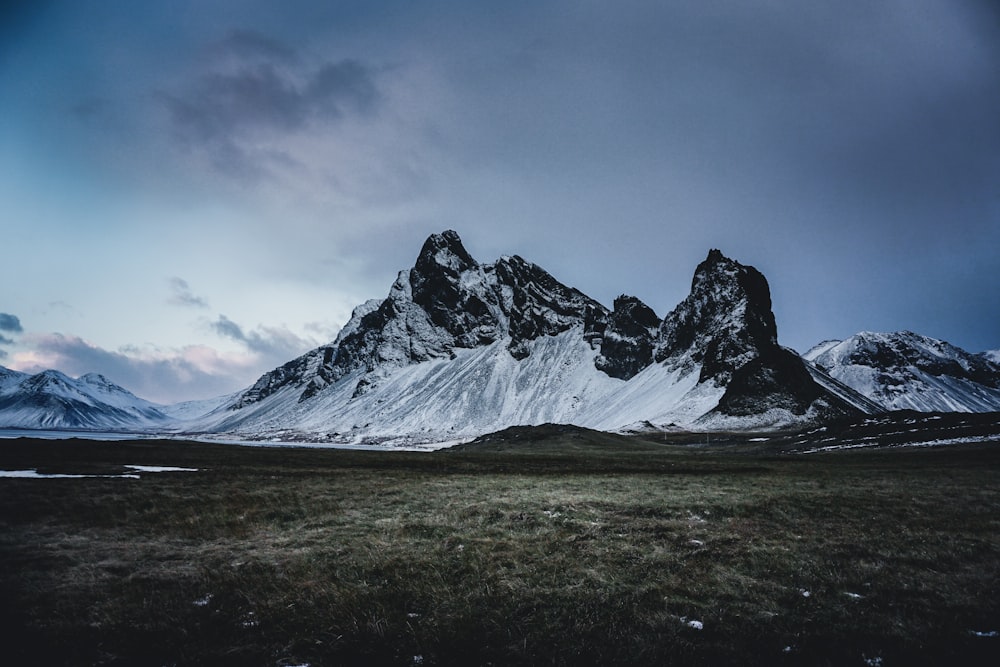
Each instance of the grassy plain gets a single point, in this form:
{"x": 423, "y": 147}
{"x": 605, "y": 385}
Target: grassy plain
{"x": 547, "y": 547}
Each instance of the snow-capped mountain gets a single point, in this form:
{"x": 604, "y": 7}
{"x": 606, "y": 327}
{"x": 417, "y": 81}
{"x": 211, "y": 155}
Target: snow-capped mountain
{"x": 904, "y": 370}
{"x": 460, "y": 348}
{"x": 51, "y": 400}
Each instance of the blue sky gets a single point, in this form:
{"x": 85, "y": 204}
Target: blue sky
{"x": 195, "y": 192}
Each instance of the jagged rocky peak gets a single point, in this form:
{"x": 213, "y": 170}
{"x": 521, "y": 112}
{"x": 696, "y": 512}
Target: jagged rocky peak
{"x": 451, "y": 287}
{"x": 478, "y": 304}
{"x": 446, "y": 301}
{"x": 536, "y": 304}
{"x": 724, "y": 323}
{"x": 629, "y": 338}
{"x": 435, "y": 279}
{"x": 444, "y": 251}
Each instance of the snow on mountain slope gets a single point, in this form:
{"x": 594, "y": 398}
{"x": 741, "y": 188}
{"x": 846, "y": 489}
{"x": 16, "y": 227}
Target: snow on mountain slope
{"x": 188, "y": 410}
{"x": 460, "y": 348}
{"x": 843, "y": 391}
{"x": 9, "y": 379}
{"x": 991, "y": 355}
{"x": 482, "y": 390}
{"x": 50, "y": 400}
{"x": 904, "y": 370}
{"x": 820, "y": 348}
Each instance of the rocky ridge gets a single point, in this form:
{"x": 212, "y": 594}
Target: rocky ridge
{"x": 448, "y": 305}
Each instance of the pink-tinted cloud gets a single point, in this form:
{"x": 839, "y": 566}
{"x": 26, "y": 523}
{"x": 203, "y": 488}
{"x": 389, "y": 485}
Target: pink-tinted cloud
{"x": 166, "y": 376}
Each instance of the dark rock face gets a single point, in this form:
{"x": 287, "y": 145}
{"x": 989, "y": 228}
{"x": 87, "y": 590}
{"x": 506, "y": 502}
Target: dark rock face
{"x": 724, "y": 323}
{"x": 469, "y": 315}
{"x": 629, "y": 339}
{"x": 448, "y": 301}
{"x": 536, "y": 304}
{"x": 294, "y": 372}
{"x": 777, "y": 379}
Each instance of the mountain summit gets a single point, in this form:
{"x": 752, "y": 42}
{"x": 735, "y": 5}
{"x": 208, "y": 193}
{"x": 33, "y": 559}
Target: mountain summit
{"x": 460, "y": 348}
{"x": 906, "y": 371}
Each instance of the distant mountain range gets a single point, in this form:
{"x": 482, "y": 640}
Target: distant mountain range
{"x": 907, "y": 371}
{"x": 51, "y": 400}
{"x": 459, "y": 348}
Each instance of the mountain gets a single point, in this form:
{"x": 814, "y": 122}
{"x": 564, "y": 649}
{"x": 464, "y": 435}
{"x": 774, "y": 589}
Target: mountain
{"x": 51, "y": 400}
{"x": 460, "y": 348}
{"x": 904, "y": 370}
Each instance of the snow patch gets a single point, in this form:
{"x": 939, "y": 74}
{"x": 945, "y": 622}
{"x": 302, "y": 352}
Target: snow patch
{"x": 34, "y": 474}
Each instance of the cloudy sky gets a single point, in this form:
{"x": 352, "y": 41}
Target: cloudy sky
{"x": 193, "y": 192}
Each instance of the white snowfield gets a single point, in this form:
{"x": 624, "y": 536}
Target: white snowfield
{"x": 34, "y": 474}
{"x": 479, "y": 391}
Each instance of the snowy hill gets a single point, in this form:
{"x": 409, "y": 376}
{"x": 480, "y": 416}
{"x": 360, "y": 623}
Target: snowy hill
{"x": 51, "y": 400}
{"x": 904, "y": 370}
{"x": 460, "y": 348}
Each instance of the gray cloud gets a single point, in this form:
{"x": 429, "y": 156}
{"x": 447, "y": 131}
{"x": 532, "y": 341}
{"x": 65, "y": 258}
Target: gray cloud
{"x": 191, "y": 373}
{"x": 272, "y": 343}
{"x": 10, "y": 323}
{"x": 249, "y": 44}
{"x": 260, "y": 86}
{"x": 229, "y": 329}
{"x": 345, "y": 85}
{"x": 181, "y": 294}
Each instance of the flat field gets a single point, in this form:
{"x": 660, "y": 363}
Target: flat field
{"x": 543, "y": 546}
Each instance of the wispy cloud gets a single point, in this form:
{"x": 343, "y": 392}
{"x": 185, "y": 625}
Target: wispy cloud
{"x": 181, "y": 294}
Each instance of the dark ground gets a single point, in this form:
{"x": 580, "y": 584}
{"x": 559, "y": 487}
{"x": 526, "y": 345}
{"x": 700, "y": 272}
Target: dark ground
{"x": 549, "y": 545}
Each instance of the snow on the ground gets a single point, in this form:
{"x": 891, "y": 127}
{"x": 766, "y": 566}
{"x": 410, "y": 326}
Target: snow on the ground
{"x": 34, "y": 474}
{"x": 875, "y": 441}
